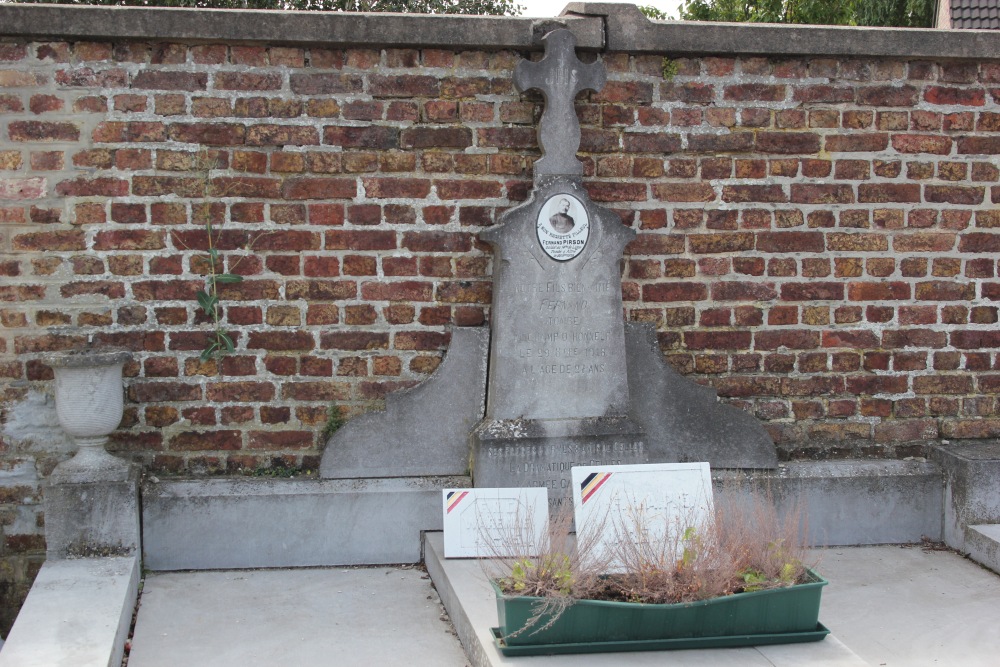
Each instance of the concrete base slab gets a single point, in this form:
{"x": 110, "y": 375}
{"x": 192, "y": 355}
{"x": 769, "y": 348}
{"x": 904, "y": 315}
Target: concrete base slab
{"x": 470, "y": 602}
{"x": 77, "y": 614}
{"x": 304, "y": 617}
{"x": 972, "y": 487}
{"x": 852, "y": 502}
{"x": 983, "y": 544}
{"x": 254, "y": 522}
{"x": 244, "y": 522}
{"x": 910, "y": 607}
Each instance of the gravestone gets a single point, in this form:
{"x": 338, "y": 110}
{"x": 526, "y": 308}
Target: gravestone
{"x": 568, "y": 382}
{"x": 557, "y": 392}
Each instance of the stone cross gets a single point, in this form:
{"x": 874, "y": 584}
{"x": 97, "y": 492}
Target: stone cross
{"x": 560, "y": 75}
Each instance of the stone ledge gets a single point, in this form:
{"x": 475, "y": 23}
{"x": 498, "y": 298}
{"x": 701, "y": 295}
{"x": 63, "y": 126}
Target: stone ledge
{"x": 983, "y": 545}
{"x": 252, "y": 522}
{"x": 597, "y": 26}
{"x": 77, "y": 613}
{"x": 629, "y": 30}
{"x": 326, "y": 29}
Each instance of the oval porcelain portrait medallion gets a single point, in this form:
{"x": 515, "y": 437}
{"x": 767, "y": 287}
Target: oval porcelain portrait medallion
{"x": 563, "y": 227}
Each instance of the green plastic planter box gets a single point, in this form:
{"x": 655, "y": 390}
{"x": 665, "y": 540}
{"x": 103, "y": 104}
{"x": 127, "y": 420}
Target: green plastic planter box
{"x": 792, "y": 612}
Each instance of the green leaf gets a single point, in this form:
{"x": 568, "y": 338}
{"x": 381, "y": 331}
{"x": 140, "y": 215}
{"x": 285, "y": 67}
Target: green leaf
{"x": 228, "y": 278}
{"x": 213, "y": 256}
{"x": 209, "y": 350}
{"x": 227, "y": 342}
{"x": 207, "y": 302}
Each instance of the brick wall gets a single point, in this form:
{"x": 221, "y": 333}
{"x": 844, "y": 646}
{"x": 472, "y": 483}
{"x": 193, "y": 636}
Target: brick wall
{"x": 816, "y": 237}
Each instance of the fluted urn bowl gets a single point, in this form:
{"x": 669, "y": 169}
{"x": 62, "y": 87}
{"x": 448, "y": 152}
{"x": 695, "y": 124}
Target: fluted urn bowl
{"x": 89, "y": 404}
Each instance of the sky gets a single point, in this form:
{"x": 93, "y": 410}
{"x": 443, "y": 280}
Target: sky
{"x": 540, "y": 8}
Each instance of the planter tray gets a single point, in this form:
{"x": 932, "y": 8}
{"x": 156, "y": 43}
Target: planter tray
{"x": 731, "y": 641}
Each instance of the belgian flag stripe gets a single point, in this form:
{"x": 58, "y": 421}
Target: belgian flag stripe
{"x": 454, "y": 498}
{"x": 590, "y": 485}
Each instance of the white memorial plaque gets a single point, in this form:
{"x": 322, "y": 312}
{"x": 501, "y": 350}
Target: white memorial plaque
{"x": 563, "y": 227}
{"x": 661, "y": 500}
{"x": 494, "y": 522}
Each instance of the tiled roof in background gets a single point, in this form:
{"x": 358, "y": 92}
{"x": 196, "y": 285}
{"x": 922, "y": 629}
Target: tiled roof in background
{"x": 975, "y": 14}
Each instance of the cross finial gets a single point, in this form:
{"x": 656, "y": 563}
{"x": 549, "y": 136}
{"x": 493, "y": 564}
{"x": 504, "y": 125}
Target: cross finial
{"x": 560, "y": 76}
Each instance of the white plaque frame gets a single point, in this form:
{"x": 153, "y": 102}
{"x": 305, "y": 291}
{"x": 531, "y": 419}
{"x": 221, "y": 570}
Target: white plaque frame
{"x": 563, "y": 227}
{"x": 485, "y": 523}
{"x": 665, "y": 497}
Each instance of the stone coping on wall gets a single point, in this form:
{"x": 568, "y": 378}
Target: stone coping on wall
{"x": 597, "y": 26}
{"x": 333, "y": 29}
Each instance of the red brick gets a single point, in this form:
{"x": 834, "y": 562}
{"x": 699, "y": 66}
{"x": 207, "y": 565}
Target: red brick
{"x": 790, "y": 242}
{"x": 787, "y": 142}
{"x": 942, "y": 384}
{"x": 684, "y": 192}
{"x": 888, "y": 96}
{"x": 978, "y": 242}
{"x": 812, "y": 291}
{"x": 360, "y": 240}
{"x": 436, "y": 137}
{"x": 720, "y": 243}
{"x": 644, "y": 142}
{"x": 674, "y": 291}
{"x": 464, "y": 292}
{"x": 856, "y": 242}
{"x": 954, "y": 194}
{"x": 166, "y": 80}
{"x": 941, "y": 290}
{"x": 131, "y": 239}
{"x": 881, "y": 291}
{"x": 421, "y": 340}
{"x": 897, "y": 339}
{"x": 404, "y": 85}
{"x": 880, "y": 193}
{"x": 318, "y": 188}
{"x": 325, "y": 83}
{"x": 856, "y": 142}
{"x": 247, "y": 81}
{"x": 277, "y": 440}
{"x": 921, "y": 143}
{"x": 742, "y": 291}
{"x": 717, "y": 340}
{"x": 754, "y": 193}
{"x": 974, "y": 97}
{"x": 239, "y": 391}
{"x": 188, "y": 441}
{"x": 209, "y": 134}
{"x": 407, "y": 290}
{"x": 924, "y": 242}
{"x": 51, "y": 241}
{"x": 36, "y": 130}
{"x": 814, "y": 193}
{"x": 979, "y": 145}
{"x": 437, "y": 241}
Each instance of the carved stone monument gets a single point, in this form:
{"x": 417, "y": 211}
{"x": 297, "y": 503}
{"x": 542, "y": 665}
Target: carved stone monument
{"x": 557, "y": 393}
{"x": 568, "y": 383}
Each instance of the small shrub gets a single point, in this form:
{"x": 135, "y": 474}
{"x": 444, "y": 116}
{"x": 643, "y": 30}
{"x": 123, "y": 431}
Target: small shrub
{"x": 334, "y": 420}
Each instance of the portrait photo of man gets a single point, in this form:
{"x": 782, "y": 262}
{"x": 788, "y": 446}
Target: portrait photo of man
{"x": 562, "y": 222}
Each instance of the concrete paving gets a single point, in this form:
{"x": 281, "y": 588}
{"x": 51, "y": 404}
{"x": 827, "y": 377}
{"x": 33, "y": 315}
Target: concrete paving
{"x": 302, "y": 617}
{"x": 910, "y": 607}
{"x": 886, "y": 606}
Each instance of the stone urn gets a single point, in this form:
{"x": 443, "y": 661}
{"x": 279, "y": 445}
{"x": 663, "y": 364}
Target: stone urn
{"x": 89, "y": 404}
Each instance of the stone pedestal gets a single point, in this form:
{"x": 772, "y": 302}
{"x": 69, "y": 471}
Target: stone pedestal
{"x": 540, "y": 453}
{"x": 93, "y": 517}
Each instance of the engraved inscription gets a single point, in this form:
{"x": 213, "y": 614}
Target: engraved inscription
{"x": 549, "y": 463}
{"x": 567, "y": 347}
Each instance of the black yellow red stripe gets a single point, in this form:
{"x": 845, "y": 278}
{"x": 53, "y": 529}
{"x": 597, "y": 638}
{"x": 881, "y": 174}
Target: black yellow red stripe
{"x": 454, "y": 498}
{"x": 591, "y": 484}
